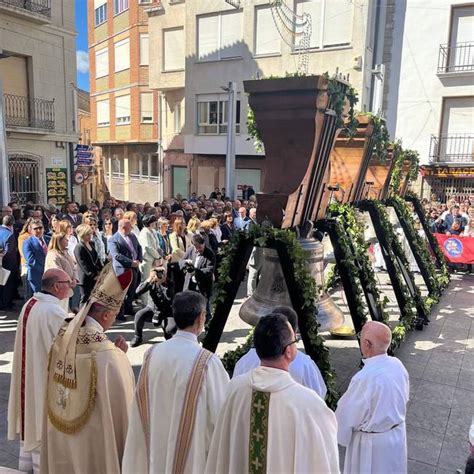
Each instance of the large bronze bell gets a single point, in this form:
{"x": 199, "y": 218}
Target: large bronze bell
{"x": 272, "y": 291}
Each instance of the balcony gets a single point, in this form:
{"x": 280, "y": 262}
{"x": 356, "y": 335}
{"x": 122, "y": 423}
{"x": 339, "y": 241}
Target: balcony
{"x": 25, "y": 112}
{"x": 456, "y": 59}
{"x": 35, "y": 10}
{"x": 456, "y": 148}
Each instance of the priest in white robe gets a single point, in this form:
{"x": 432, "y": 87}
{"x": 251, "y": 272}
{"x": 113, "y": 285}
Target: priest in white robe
{"x": 371, "y": 414}
{"x": 40, "y": 320}
{"x": 179, "y": 394}
{"x": 302, "y": 369}
{"x": 270, "y": 423}
{"x": 90, "y": 387}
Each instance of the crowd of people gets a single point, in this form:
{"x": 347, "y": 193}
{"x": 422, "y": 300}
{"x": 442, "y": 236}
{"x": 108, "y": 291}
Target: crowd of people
{"x": 170, "y": 246}
{"x": 455, "y": 217}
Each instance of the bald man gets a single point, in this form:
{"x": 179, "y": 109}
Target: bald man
{"x": 371, "y": 414}
{"x": 39, "y": 322}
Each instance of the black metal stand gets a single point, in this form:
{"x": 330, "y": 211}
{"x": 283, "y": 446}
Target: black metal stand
{"x": 394, "y": 264}
{"x": 408, "y": 229}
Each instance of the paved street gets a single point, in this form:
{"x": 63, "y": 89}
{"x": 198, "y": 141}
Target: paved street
{"x": 440, "y": 360}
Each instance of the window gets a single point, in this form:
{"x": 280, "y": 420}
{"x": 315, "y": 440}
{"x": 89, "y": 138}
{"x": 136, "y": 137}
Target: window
{"x": 122, "y": 110}
{"x": 122, "y": 55}
{"x": 177, "y": 117}
{"x": 173, "y": 49}
{"x": 461, "y": 42}
{"x": 100, "y": 11}
{"x": 267, "y": 38}
{"x": 143, "y": 2}
{"x": 212, "y": 116}
{"x": 144, "y": 49}
{"x": 142, "y": 166}
{"x": 117, "y": 166}
{"x": 146, "y": 107}
{"x": 220, "y": 36}
{"x": 102, "y": 62}
{"x": 332, "y": 21}
{"x": 120, "y": 6}
{"x": 103, "y": 113}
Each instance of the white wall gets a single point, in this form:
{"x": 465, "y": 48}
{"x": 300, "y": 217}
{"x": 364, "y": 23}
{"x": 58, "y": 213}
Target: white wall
{"x": 415, "y": 101}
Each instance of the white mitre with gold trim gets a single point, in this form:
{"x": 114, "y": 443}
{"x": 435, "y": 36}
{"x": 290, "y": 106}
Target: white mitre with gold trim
{"x": 72, "y": 371}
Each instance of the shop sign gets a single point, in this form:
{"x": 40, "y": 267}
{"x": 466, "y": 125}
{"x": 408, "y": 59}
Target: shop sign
{"x": 56, "y": 185}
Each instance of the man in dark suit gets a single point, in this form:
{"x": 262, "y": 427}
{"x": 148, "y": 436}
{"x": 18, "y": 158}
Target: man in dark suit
{"x": 72, "y": 214}
{"x": 198, "y": 263}
{"x": 126, "y": 253}
{"x": 10, "y": 261}
{"x": 35, "y": 249}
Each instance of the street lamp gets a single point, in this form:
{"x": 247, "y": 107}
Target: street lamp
{"x": 230, "y": 149}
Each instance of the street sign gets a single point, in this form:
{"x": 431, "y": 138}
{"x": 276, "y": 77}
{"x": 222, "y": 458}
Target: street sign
{"x": 80, "y": 147}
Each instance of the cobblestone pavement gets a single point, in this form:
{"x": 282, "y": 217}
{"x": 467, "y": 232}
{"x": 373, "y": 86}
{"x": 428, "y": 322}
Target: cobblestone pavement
{"x": 440, "y": 360}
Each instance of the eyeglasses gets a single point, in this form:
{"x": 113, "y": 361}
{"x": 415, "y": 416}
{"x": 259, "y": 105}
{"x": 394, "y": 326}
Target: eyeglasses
{"x": 290, "y": 343}
{"x": 37, "y": 228}
{"x": 69, "y": 282}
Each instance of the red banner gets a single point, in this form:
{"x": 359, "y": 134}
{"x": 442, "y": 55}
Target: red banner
{"x": 457, "y": 249}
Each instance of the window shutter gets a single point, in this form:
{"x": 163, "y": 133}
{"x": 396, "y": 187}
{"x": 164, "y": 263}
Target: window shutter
{"x": 314, "y": 8}
{"x": 267, "y": 38}
{"x": 122, "y": 109}
{"x": 103, "y": 112}
{"x": 102, "y": 62}
{"x": 146, "y": 107}
{"x": 231, "y": 35}
{"x": 337, "y": 23}
{"x": 144, "y": 49}
{"x": 208, "y": 39}
{"x": 122, "y": 55}
{"x": 173, "y": 50}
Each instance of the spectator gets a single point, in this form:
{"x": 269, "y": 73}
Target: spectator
{"x": 455, "y": 222}
{"x": 180, "y": 241}
{"x": 227, "y": 227}
{"x": 35, "y": 249}
{"x": 72, "y": 214}
{"x": 242, "y": 221}
{"x": 96, "y": 237}
{"x": 107, "y": 233}
{"x": 126, "y": 253}
{"x": 88, "y": 263}
{"x": 58, "y": 257}
{"x": 9, "y": 260}
{"x": 132, "y": 217}
{"x": 162, "y": 235}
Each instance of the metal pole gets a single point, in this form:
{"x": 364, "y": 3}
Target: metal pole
{"x": 230, "y": 152}
{"x": 161, "y": 187}
{"x": 4, "y": 172}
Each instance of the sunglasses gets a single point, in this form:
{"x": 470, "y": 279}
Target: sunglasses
{"x": 296, "y": 340}
{"x": 37, "y": 228}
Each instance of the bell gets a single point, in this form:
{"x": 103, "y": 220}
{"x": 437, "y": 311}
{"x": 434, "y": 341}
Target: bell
{"x": 272, "y": 291}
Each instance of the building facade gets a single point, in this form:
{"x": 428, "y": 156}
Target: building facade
{"x": 38, "y": 77}
{"x": 199, "y": 47}
{"x": 430, "y": 101}
{"x": 124, "y": 112}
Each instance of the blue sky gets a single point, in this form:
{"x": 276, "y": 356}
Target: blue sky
{"x": 81, "y": 45}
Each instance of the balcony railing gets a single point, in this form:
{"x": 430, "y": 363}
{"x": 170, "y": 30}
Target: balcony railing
{"x": 456, "y": 58}
{"x": 456, "y": 148}
{"x": 40, "y": 7}
{"x": 26, "y": 112}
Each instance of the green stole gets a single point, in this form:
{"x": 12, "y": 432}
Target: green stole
{"x": 258, "y": 432}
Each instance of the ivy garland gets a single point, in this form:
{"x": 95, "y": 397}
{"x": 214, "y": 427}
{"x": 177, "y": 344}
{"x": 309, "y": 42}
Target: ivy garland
{"x": 438, "y": 283}
{"x": 359, "y": 249}
{"x": 263, "y": 237}
{"x": 408, "y": 304}
{"x": 254, "y": 132}
{"x": 380, "y": 136}
{"x": 444, "y": 276}
{"x": 402, "y": 156}
{"x": 396, "y": 175}
{"x": 230, "y": 358}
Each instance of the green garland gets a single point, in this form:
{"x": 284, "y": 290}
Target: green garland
{"x": 401, "y": 157}
{"x": 331, "y": 279}
{"x": 359, "y": 251}
{"x": 443, "y": 276}
{"x": 263, "y": 237}
{"x": 404, "y": 214}
{"x": 230, "y": 358}
{"x": 254, "y": 132}
{"x": 396, "y": 175}
{"x": 380, "y": 136}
